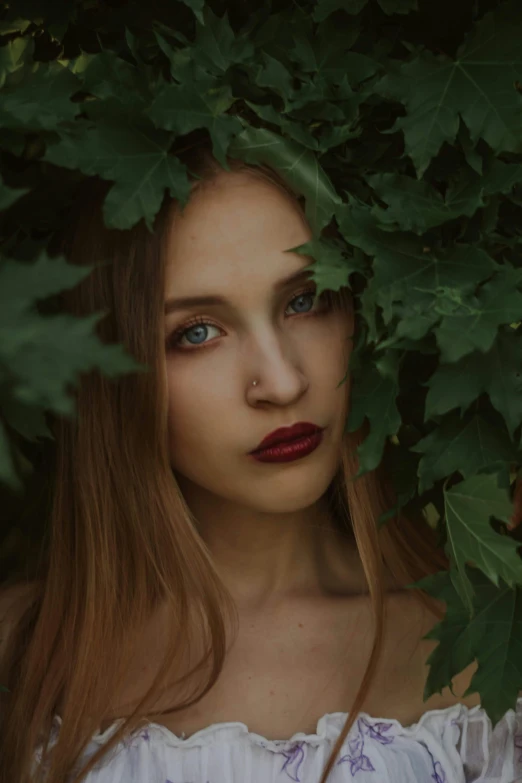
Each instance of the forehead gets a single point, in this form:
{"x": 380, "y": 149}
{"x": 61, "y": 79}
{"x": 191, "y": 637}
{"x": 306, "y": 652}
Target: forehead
{"x": 232, "y": 220}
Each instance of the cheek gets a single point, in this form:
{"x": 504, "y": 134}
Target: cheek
{"x": 193, "y": 411}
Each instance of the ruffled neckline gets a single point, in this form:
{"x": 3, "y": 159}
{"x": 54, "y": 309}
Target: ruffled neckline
{"x": 328, "y": 727}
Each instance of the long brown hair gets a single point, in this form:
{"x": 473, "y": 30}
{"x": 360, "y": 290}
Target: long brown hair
{"x": 121, "y": 540}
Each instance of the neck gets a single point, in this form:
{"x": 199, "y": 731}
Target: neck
{"x": 264, "y": 558}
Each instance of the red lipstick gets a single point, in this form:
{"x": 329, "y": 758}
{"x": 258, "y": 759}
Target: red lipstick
{"x": 289, "y": 443}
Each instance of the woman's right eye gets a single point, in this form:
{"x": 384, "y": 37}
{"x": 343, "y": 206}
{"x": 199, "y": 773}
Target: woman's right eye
{"x": 175, "y": 338}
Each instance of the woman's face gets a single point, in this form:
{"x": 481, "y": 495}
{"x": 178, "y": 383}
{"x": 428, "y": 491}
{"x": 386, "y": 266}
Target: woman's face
{"x": 230, "y": 243}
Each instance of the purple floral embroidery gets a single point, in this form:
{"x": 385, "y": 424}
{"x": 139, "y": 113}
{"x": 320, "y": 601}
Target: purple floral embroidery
{"x": 376, "y": 731}
{"x": 359, "y": 762}
{"x": 439, "y": 775}
{"x": 294, "y": 759}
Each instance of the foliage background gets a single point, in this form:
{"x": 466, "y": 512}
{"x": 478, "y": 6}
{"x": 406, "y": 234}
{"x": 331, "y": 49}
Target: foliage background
{"x": 400, "y": 120}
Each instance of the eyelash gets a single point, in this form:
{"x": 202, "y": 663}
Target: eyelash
{"x": 200, "y": 320}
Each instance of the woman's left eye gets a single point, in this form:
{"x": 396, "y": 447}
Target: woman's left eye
{"x": 175, "y": 339}
{"x": 310, "y": 293}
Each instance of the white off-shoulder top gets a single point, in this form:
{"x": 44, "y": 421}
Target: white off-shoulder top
{"x": 452, "y": 745}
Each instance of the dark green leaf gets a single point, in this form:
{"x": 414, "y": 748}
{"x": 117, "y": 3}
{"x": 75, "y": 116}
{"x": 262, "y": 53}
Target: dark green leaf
{"x": 477, "y": 86}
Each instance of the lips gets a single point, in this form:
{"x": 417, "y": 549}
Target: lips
{"x": 287, "y": 434}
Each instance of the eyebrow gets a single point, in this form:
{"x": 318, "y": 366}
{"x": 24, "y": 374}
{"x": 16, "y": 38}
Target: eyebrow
{"x": 174, "y": 304}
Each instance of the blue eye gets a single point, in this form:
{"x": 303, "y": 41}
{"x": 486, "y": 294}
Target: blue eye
{"x": 198, "y": 326}
{"x": 303, "y": 295}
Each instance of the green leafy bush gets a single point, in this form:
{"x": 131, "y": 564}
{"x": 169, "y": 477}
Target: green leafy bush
{"x": 401, "y": 121}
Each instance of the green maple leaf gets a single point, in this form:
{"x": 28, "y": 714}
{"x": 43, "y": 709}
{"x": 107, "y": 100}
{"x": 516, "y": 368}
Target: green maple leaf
{"x": 497, "y": 372}
{"x": 479, "y": 86}
{"x": 108, "y": 76}
{"x": 272, "y": 73}
{"x": 198, "y": 104}
{"x": 500, "y": 177}
{"x": 25, "y": 283}
{"x": 467, "y": 445}
{"x": 216, "y": 46}
{"x": 12, "y": 56}
{"x": 42, "y": 101}
{"x": 12, "y": 24}
{"x": 417, "y": 206}
{"x": 469, "y": 507}
{"x": 197, "y": 7}
{"x": 373, "y": 396}
{"x": 331, "y": 136}
{"x": 407, "y": 272}
{"x": 332, "y": 269}
{"x": 326, "y": 53}
{"x": 45, "y": 355}
{"x": 135, "y": 158}
{"x": 492, "y": 637}
{"x": 474, "y": 324}
{"x": 299, "y": 166}
{"x": 40, "y": 357}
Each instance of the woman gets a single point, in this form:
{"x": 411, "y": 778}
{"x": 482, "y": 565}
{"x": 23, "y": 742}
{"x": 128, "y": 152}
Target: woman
{"x": 236, "y": 604}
